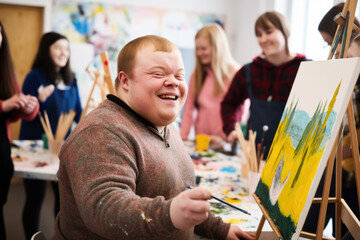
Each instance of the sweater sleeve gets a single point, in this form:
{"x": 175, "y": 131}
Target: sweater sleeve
{"x": 17, "y": 114}
{"x": 231, "y": 104}
{"x": 187, "y": 117}
{"x": 219, "y": 229}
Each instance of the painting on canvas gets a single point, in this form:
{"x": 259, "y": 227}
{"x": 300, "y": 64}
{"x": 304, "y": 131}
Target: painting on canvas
{"x": 304, "y": 139}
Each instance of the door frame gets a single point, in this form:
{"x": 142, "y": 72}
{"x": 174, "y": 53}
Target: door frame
{"x": 46, "y": 4}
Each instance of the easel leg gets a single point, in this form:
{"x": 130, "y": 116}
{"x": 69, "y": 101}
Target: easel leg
{"x": 338, "y": 189}
{"x": 261, "y": 225}
{"x": 326, "y": 190}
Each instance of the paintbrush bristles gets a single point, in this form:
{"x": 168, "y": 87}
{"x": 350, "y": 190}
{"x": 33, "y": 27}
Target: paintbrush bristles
{"x": 46, "y": 127}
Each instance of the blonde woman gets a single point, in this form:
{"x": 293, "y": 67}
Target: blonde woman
{"x": 214, "y": 70}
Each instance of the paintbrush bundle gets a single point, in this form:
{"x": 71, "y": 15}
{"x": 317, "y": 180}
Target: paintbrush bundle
{"x": 63, "y": 126}
{"x": 249, "y": 148}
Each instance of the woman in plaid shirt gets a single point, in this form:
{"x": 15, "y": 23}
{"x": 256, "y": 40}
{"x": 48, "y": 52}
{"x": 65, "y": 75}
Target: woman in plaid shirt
{"x": 267, "y": 81}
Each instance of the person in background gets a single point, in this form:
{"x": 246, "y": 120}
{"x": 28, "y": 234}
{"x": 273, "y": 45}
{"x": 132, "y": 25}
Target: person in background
{"x": 327, "y": 28}
{"x": 214, "y": 70}
{"x": 53, "y": 83}
{"x": 124, "y": 169}
{"x": 13, "y": 105}
{"x": 267, "y": 81}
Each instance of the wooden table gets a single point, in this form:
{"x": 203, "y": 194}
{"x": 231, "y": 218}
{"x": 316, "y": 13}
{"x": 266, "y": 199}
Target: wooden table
{"x": 222, "y": 175}
{"x": 219, "y": 173}
{"x": 32, "y": 161}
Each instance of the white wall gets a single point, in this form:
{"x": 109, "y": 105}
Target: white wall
{"x": 246, "y": 13}
{"x": 240, "y": 17}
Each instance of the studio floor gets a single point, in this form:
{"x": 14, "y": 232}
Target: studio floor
{"x": 13, "y": 212}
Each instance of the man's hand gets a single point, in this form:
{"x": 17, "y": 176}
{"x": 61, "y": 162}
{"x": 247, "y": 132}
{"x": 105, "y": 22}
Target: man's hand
{"x": 235, "y": 233}
{"x": 190, "y": 208}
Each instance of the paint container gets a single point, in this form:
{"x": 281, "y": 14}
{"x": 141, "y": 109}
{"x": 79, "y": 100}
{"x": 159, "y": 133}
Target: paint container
{"x": 54, "y": 147}
{"x": 45, "y": 141}
{"x": 202, "y": 142}
{"x": 245, "y": 170}
{"x": 254, "y": 178}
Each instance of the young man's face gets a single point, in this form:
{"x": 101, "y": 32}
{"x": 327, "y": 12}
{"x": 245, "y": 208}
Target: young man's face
{"x": 157, "y": 90}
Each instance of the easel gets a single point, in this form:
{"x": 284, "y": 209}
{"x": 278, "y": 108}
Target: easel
{"x": 343, "y": 213}
{"x": 103, "y": 80}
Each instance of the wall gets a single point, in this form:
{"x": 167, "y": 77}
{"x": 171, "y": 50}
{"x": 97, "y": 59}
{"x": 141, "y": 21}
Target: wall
{"x": 240, "y": 17}
{"x": 246, "y": 13}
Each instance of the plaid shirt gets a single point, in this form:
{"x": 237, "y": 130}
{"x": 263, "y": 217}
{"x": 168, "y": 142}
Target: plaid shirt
{"x": 356, "y": 103}
{"x": 268, "y": 81}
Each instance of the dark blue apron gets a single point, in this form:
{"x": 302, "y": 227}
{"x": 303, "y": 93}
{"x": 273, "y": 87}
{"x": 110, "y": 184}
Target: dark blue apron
{"x": 263, "y": 112}
{"x": 61, "y": 101}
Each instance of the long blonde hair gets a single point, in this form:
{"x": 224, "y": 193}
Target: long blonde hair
{"x": 223, "y": 64}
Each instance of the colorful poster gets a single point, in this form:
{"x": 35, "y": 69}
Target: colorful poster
{"x": 99, "y": 27}
{"x": 304, "y": 139}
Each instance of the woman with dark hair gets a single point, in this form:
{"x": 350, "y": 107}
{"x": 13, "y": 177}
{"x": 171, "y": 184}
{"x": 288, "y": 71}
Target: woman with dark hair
{"x": 53, "y": 83}
{"x": 327, "y": 26}
{"x": 13, "y": 105}
{"x": 267, "y": 81}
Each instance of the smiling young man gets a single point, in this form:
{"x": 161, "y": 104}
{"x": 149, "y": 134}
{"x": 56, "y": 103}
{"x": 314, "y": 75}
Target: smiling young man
{"x": 124, "y": 169}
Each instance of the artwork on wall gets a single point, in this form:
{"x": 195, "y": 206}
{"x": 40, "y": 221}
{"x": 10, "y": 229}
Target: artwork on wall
{"x": 303, "y": 141}
{"x": 95, "y": 27}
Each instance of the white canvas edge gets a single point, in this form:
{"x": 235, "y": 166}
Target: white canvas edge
{"x": 322, "y": 164}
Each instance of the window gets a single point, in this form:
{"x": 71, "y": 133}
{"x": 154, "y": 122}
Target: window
{"x": 304, "y": 17}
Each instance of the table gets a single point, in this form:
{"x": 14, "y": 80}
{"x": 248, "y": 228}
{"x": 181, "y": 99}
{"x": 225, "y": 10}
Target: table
{"x": 32, "y": 161}
{"x": 222, "y": 175}
{"x": 219, "y": 173}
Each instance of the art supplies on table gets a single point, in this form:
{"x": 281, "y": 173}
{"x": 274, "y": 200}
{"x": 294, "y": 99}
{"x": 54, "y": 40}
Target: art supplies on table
{"x": 63, "y": 126}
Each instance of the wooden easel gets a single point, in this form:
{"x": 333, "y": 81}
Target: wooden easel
{"x": 103, "y": 80}
{"x": 343, "y": 213}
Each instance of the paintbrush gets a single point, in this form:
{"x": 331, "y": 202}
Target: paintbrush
{"x": 224, "y": 202}
{"x": 265, "y": 128}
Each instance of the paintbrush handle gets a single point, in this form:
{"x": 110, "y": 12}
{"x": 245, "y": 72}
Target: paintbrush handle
{"x": 229, "y": 204}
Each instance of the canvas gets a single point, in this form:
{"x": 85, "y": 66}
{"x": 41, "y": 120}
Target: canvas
{"x": 304, "y": 139}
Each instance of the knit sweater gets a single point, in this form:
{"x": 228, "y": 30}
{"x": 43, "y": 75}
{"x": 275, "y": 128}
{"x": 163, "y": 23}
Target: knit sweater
{"x": 267, "y": 80}
{"x": 117, "y": 178}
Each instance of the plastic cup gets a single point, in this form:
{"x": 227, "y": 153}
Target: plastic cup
{"x": 54, "y": 148}
{"x": 202, "y": 142}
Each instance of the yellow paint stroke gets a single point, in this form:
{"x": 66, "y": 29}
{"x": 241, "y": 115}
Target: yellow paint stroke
{"x": 225, "y": 192}
{"x": 235, "y": 220}
{"x": 243, "y": 194}
{"x": 232, "y": 200}
{"x": 142, "y": 214}
{"x": 295, "y": 192}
